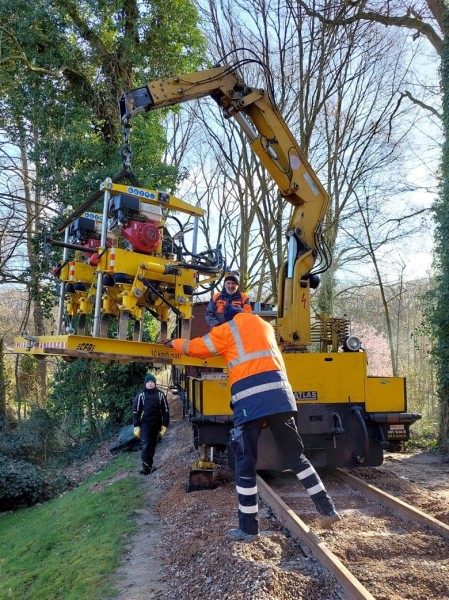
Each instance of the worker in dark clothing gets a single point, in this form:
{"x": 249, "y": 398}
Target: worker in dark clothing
{"x": 229, "y": 295}
{"x": 261, "y": 395}
{"x": 151, "y": 417}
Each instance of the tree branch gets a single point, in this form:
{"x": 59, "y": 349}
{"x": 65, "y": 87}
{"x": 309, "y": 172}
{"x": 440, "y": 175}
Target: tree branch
{"x": 423, "y": 105}
{"x": 22, "y": 57}
{"x": 406, "y": 21}
{"x": 399, "y": 220}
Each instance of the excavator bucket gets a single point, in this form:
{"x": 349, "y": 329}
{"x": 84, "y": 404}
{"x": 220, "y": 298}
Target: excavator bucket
{"x": 202, "y": 476}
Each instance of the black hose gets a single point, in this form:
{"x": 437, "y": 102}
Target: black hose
{"x": 358, "y": 413}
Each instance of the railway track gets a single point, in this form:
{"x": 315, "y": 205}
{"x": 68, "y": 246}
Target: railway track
{"x": 383, "y": 549}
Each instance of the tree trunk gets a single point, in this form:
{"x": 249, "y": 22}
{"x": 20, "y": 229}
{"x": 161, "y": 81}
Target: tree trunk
{"x": 33, "y": 209}
{"x": 2, "y": 382}
{"x": 441, "y": 313}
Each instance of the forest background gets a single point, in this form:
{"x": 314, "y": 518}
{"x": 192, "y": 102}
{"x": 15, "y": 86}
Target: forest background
{"x": 364, "y": 88}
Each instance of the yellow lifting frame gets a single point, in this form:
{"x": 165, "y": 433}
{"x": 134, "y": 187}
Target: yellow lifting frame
{"x": 154, "y": 197}
{"x": 78, "y": 346}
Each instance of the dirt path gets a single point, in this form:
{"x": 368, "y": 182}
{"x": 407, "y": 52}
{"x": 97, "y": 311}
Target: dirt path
{"x": 181, "y": 551}
{"x": 430, "y": 471}
{"x": 141, "y": 577}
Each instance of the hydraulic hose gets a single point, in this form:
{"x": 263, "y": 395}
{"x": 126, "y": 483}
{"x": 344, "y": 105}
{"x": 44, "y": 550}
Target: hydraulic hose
{"x": 358, "y": 413}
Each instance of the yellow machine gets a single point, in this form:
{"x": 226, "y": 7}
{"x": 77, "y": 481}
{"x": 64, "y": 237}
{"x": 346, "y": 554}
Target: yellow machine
{"x": 345, "y": 418}
{"x": 125, "y": 262}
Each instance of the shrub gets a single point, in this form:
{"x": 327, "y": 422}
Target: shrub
{"x": 33, "y": 440}
{"x": 21, "y": 484}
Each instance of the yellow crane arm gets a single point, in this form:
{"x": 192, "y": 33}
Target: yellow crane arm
{"x": 277, "y": 149}
{"x": 267, "y": 133}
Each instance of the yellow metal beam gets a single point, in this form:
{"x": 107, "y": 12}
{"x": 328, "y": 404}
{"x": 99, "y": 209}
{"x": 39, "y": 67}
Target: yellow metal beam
{"x": 153, "y": 197}
{"x": 78, "y": 346}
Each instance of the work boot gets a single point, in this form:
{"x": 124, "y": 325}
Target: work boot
{"x": 145, "y": 469}
{"x": 331, "y": 518}
{"x": 242, "y": 536}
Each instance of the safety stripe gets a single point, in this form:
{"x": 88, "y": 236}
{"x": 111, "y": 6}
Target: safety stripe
{"x": 251, "y": 356}
{"x": 209, "y": 344}
{"x": 237, "y": 339}
{"x": 246, "y": 491}
{"x": 185, "y": 346}
{"x": 242, "y": 355}
{"x": 112, "y": 259}
{"x": 257, "y": 389}
{"x": 319, "y": 487}
{"x": 306, "y": 473}
{"x": 249, "y": 510}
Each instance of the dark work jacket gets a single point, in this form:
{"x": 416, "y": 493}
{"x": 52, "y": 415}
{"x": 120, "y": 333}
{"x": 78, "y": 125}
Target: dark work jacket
{"x": 214, "y": 314}
{"x": 150, "y": 405}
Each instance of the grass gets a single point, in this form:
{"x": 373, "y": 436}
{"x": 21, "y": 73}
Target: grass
{"x": 69, "y": 548}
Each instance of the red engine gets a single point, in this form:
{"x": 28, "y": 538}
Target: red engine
{"x": 91, "y": 243}
{"x": 144, "y": 237}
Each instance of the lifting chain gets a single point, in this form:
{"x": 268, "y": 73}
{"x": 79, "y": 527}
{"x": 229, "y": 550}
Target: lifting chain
{"x": 125, "y": 150}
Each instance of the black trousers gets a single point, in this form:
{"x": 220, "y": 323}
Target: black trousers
{"x": 244, "y": 441}
{"x": 149, "y": 436}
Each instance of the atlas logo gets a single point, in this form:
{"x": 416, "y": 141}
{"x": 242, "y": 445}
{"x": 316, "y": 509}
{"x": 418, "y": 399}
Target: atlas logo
{"x": 306, "y": 395}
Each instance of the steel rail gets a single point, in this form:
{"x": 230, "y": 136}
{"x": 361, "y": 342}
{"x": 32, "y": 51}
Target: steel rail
{"x": 350, "y": 584}
{"x": 398, "y": 507}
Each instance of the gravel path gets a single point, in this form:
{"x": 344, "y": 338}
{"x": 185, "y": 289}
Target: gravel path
{"x": 182, "y": 552}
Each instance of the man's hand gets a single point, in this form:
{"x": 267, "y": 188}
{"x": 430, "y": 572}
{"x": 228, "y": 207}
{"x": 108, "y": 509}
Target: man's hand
{"x": 137, "y": 432}
{"x": 163, "y": 430}
{"x": 167, "y": 342}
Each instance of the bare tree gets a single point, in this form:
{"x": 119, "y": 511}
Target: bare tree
{"x": 22, "y": 211}
{"x": 338, "y": 92}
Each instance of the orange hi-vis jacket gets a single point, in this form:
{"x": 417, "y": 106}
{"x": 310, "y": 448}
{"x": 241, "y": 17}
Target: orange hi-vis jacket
{"x": 259, "y": 384}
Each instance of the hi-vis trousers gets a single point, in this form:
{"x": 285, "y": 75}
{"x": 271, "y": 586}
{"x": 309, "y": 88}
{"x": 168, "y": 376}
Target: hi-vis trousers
{"x": 243, "y": 442}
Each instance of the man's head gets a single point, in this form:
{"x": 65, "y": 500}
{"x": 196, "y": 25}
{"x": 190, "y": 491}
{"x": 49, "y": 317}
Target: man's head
{"x": 232, "y": 282}
{"x": 150, "y": 381}
{"x": 230, "y": 311}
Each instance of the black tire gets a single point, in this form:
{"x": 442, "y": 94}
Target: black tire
{"x": 108, "y": 281}
{"x": 123, "y": 278}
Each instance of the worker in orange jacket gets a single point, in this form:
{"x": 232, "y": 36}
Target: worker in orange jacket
{"x": 260, "y": 395}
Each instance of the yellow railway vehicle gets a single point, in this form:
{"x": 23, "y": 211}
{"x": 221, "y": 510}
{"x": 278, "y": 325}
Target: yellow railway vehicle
{"x": 345, "y": 417}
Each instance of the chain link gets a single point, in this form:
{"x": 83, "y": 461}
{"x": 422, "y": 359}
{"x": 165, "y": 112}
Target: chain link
{"x": 125, "y": 150}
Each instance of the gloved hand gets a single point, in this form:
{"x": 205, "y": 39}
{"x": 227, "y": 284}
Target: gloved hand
{"x": 167, "y": 342}
{"x": 137, "y": 432}
{"x": 163, "y": 430}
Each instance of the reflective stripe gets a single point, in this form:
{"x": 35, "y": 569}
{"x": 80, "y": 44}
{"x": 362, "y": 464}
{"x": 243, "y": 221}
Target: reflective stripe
{"x": 185, "y": 346}
{"x": 209, "y": 344}
{"x": 246, "y": 491}
{"x": 257, "y": 389}
{"x": 251, "y": 356}
{"x": 237, "y": 339}
{"x": 249, "y": 510}
{"x": 306, "y": 473}
{"x": 319, "y": 487}
{"x": 243, "y": 356}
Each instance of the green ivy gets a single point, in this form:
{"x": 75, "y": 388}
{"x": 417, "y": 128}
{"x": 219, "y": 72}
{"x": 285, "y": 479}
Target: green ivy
{"x": 439, "y": 299}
